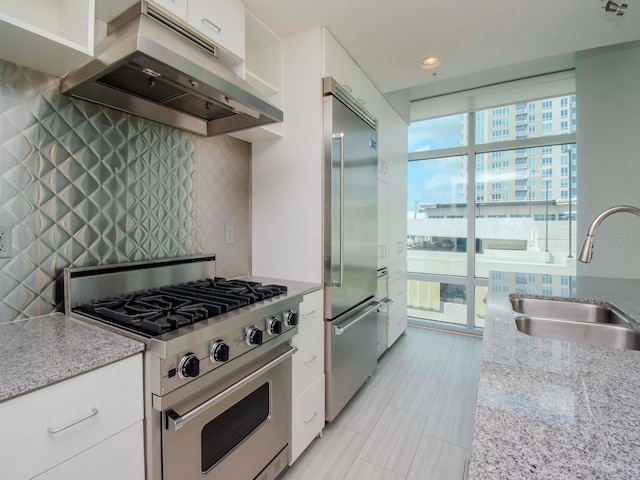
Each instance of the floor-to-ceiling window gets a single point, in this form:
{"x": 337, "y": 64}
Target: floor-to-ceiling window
{"x": 490, "y": 190}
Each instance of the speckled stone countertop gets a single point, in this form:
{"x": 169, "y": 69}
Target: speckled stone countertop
{"x": 550, "y": 409}
{"x": 39, "y": 351}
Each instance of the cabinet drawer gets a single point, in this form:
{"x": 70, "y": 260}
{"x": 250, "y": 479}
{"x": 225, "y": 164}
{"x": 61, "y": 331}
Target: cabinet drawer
{"x": 397, "y": 271}
{"x": 120, "y": 456}
{"x": 108, "y": 398}
{"x": 396, "y": 322}
{"x": 311, "y": 311}
{"x": 398, "y": 292}
{"x": 307, "y": 418}
{"x": 223, "y": 21}
{"x": 308, "y": 363}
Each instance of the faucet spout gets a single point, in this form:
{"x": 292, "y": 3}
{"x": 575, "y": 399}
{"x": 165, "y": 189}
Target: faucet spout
{"x": 587, "y": 247}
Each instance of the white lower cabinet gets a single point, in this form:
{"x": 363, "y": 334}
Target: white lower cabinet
{"x": 397, "y": 317}
{"x": 118, "y": 457}
{"x": 308, "y": 364}
{"x": 396, "y": 323}
{"x": 307, "y": 380}
{"x": 311, "y": 311}
{"x": 47, "y": 427}
{"x": 307, "y": 418}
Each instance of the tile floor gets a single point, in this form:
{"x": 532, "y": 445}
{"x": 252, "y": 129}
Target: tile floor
{"x": 412, "y": 420}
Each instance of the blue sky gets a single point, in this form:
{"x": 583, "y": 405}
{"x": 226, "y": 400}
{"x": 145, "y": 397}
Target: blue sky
{"x": 434, "y": 181}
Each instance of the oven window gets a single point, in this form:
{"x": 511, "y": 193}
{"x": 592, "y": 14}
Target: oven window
{"x": 229, "y": 429}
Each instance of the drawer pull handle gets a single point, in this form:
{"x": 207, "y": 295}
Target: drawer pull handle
{"x": 309, "y": 362}
{"x": 313, "y": 417}
{"x": 94, "y": 411}
{"x": 310, "y": 313}
{"x": 360, "y": 101}
{"x": 208, "y": 23}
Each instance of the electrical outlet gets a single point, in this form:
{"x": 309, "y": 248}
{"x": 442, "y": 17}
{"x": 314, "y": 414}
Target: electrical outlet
{"x": 228, "y": 233}
{"x": 5, "y": 241}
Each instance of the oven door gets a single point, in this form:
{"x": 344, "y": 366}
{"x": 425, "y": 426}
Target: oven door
{"x": 235, "y": 432}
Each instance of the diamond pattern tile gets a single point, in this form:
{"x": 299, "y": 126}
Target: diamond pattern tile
{"x": 86, "y": 185}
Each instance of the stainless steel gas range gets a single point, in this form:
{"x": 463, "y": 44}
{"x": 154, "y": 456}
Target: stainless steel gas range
{"x": 217, "y": 366}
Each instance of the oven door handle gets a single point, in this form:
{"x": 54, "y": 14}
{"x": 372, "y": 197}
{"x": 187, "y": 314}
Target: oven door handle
{"x": 175, "y": 421}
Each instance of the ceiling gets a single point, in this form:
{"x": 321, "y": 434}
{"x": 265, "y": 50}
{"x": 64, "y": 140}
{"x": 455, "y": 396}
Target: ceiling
{"x": 480, "y": 42}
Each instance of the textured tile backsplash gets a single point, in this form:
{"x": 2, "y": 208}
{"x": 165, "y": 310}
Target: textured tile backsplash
{"x": 86, "y": 185}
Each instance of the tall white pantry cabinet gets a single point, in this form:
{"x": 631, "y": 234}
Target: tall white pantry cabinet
{"x": 287, "y": 173}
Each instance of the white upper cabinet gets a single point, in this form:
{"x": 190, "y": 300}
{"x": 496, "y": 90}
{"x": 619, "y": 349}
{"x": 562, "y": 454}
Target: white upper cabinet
{"x": 223, "y": 21}
{"x": 263, "y": 70}
{"x": 50, "y": 36}
{"x": 339, "y": 65}
{"x": 176, "y": 7}
{"x": 263, "y": 59}
{"x": 392, "y": 171}
{"x": 55, "y": 36}
{"x": 383, "y": 224}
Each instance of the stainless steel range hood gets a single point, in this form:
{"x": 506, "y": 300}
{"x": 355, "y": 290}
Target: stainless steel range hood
{"x": 154, "y": 67}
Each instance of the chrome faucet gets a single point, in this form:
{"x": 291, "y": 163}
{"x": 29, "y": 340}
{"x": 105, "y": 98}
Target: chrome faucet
{"x": 587, "y": 247}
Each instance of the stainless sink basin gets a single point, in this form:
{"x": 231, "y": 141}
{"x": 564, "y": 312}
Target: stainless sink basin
{"x": 577, "y": 322}
{"x": 575, "y": 311}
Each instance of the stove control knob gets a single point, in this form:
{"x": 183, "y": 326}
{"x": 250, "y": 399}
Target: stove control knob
{"x": 274, "y": 326}
{"x": 290, "y": 318}
{"x": 219, "y": 352}
{"x": 189, "y": 366}
{"x": 254, "y": 336}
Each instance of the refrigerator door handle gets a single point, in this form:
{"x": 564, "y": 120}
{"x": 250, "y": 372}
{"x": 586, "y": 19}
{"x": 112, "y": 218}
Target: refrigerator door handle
{"x": 384, "y": 304}
{"x": 339, "y": 330}
{"x": 340, "y": 282}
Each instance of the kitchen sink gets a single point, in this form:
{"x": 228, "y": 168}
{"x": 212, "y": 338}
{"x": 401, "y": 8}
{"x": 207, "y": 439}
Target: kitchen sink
{"x": 589, "y": 323}
{"x": 574, "y": 311}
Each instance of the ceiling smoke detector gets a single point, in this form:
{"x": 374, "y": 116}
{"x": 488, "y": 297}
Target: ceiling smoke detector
{"x": 614, "y": 7}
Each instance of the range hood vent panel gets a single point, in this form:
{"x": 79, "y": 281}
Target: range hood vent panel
{"x": 128, "y": 78}
{"x": 199, "y": 107}
{"x": 146, "y": 68}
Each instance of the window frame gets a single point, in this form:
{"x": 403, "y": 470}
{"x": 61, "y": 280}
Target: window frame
{"x": 471, "y": 150}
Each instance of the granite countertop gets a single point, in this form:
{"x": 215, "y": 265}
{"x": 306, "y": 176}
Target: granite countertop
{"x": 43, "y": 350}
{"x": 553, "y": 409}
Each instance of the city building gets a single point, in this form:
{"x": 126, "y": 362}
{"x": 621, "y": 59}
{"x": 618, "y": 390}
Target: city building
{"x": 523, "y": 170}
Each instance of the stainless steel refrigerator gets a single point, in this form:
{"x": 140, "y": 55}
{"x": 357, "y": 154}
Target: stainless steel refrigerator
{"x": 350, "y": 245}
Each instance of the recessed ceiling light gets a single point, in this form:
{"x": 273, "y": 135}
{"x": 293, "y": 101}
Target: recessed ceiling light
{"x": 430, "y": 62}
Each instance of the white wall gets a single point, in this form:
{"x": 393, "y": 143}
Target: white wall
{"x": 608, "y": 117}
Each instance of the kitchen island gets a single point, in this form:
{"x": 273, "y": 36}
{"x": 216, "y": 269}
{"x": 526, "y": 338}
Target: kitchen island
{"x": 553, "y": 409}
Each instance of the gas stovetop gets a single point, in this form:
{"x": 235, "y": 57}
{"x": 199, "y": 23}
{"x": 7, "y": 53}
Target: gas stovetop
{"x": 160, "y": 310}
{"x": 191, "y": 321}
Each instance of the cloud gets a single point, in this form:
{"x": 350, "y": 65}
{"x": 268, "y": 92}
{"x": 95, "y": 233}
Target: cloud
{"x": 435, "y": 181}
{"x": 422, "y": 148}
{"x": 436, "y": 133}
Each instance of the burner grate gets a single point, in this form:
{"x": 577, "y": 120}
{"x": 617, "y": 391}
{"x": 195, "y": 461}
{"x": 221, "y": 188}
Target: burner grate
{"x": 164, "y": 309}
